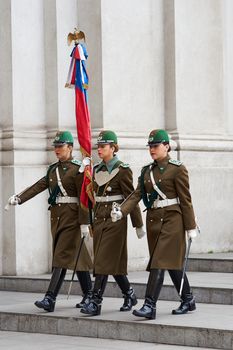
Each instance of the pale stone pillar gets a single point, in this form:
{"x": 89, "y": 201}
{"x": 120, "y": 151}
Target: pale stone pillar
{"x": 195, "y": 114}
{"x": 24, "y": 230}
{"x": 34, "y": 65}
{"x": 125, "y": 43}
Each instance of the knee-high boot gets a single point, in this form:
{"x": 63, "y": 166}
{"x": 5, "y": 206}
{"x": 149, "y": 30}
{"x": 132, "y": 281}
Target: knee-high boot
{"x": 86, "y": 285}
{"x": 187, "y": 298}
{"x": 48, "y": 303}
{"x": 93, "y": 308}
{"x": 154, "y": 285}
{"x": 129, "y": 295}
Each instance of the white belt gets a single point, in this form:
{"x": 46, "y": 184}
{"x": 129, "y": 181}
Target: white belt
{"x": 109, "y": 198}
{"x": 67, "y": 199}
{"x": 165, "y": 203}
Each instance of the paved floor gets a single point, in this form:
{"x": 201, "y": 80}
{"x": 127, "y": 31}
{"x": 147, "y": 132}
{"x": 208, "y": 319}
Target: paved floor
{"x": 30, "y": 341}
{"x": 214, "y": 316}
{"x": 197, "y": 279}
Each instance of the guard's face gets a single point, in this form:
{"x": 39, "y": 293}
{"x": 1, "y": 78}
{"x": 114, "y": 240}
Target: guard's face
{"x": 158, "y": 152}
{"x": 105, "y": 151}
{"x": 63, "y": 152}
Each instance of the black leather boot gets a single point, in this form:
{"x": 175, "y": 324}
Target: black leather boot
{"x": 187, "y": 304}
{"x": 86, "y": 286}
{"x": 187, "y": 299}
{"x": 129, "y": 295}
{"x": 93, "y": 307}
{"x": 130, "y": 300}
{"x": 154, "y": 285}
{"x": 49, "y": 301}
{"x": 148, "y": 310}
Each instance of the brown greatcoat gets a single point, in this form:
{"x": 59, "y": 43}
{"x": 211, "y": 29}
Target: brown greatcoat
{"x": 110, "y": 238}
{"x": 166, "y": 226}
{"x": 65, "y": 218}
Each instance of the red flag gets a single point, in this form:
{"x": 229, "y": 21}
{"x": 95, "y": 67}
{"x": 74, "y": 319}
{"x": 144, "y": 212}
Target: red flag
{"x": 78, "y": 78}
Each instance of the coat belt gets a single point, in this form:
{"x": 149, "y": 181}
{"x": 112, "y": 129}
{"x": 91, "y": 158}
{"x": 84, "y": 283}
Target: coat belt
{"x": 104, "y": 199}
{"x": 67, "y": 199}
{"x": 165, "y": 203}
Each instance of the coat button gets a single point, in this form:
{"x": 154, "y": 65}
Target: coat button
{"x": 151, "y": 220}
{"x": 106, "y": 205}
{"x": 104, "y": 219}
{"x": 58, "y": 218}
{"x": 161, "y": 219}
{"x": 59, "y": 204}
{"x": 160, "y": 180}
{"x": 96, "y": 218}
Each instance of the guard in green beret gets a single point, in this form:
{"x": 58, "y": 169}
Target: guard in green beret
{"x": 112, "y": 182}
{"x": 69, "y": 222}
{"x": 164, "y": 188}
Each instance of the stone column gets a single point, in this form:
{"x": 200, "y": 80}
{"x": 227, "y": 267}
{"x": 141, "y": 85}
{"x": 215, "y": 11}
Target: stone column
{"x": 195, "y": 114}
{"x": 34, "y": 103}
{"x": 125, "y": 43}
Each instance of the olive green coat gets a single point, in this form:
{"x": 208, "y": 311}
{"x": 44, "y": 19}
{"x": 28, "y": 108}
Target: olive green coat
{"x": 110, "y": 238}
{"x": 166, "y": 226}
{"x": 65, "y": 218}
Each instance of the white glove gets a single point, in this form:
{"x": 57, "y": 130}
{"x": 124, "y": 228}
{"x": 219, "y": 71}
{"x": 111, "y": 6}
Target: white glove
{"x": 86, "y": 161}
{"x": 14, "y": 200}
{"x": 116, "y": 214}
{"x": 84, "y": 231}
{"x": 140, "y": 232}
{"x": 191, "y": 233}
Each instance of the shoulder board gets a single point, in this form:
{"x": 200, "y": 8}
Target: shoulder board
{"x": 52, "y": 165}
{"x": 124, "y": 165}
{"x": 96, "y": 164}
{"x": 147, "y": 166}
{"x": 175, "y": 162}
{"x": 76, "y": 162}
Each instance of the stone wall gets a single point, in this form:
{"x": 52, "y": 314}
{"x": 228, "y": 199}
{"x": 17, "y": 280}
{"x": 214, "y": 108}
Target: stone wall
{"x": 152, "y": 65}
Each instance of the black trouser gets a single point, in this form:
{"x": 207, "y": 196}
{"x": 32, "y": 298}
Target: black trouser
{"x": 155, "y": 282}
{"x": 85, "y": 281}
{"x": 176, "y": 276}
{"x": 56, "y": 281}
{"x": 100, "y": 285}
{"x": 101, "y": 282}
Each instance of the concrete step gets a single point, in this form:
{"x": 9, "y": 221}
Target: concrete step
{"x": 210, "y": 326}
{"x": 211, "y": 287}
{"x": 29, "y": 341}
{"x": 212, "y": 262}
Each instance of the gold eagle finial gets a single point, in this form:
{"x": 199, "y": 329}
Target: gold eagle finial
{"x": 75, "y": 36}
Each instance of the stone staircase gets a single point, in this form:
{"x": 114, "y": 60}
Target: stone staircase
{"x": 210, "y": 326}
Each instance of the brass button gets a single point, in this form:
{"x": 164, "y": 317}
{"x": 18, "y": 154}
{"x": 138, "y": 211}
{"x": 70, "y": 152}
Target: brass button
{"x": 106, "y": 205}
{"x": 160, "y": 180}
{"x": 161, "y": 219}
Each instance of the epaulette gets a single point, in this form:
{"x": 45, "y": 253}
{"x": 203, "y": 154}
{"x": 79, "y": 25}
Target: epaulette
{"x": 146, "y": 166}
{"x": 175, "y": 162}
{"x": 124, "y": 165}
{"x": 51, "y": 166}
{"x": 96, "y": 164}
{"x": 76, "y": 162}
